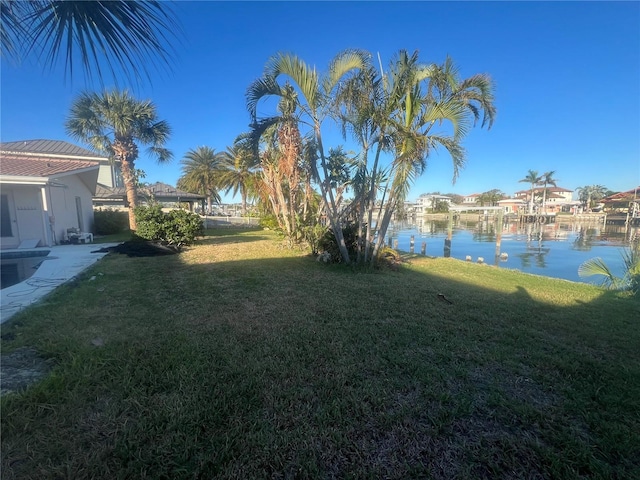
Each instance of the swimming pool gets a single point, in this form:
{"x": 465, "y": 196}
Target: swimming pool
{"x": 16, "y": 267}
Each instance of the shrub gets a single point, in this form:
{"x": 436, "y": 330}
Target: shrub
{"x": 109, "y": 222}
{"x": 269, "y": 221}
{"x": 178, "y": 227}
{"x": 313, "y": 235}
{"x": 329, "y": 244}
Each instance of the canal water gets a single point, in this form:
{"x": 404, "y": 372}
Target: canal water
{"x": 553, "y": 250}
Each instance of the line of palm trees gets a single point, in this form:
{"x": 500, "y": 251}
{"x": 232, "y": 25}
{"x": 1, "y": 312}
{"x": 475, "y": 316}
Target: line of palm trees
{"x": 534, "y": 179}
{"x": 208, "y": 173}
{"x": 392, "y": 116}
{"x": 397, "y": 117}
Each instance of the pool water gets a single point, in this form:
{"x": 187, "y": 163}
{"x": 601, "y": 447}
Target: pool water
{"x": 16, "y": 267}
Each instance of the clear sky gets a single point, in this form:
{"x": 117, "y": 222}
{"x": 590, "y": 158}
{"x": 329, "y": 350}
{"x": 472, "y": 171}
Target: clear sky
{"x": 567, "y": 78}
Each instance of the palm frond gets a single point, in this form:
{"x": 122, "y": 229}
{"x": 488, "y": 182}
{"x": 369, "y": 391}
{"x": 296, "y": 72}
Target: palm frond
{"x": 124, "y": 36}
{"x": 260, "y": 89}
{"x": 343, "y": 63}
{"x": 596, "y": 266}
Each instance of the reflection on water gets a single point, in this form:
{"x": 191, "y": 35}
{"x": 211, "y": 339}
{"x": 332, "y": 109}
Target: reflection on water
{"x": 554, "y": 250}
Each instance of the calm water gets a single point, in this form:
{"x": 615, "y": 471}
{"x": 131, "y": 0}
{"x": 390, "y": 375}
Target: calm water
{"x": 554, "y": 250}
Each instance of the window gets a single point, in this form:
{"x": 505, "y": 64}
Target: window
{"x": 5, "y": 217}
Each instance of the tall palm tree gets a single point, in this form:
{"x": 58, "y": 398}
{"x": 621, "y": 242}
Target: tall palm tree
{"x": 401, "y": 110}
{"x": 532, "y": 179}
{"x": 239, "y": 168}
{"x": 201, "y": 173}
{"x": 547, "y": 179}
{"x": 426, "y": 96}
{"x": 125, "y": 35}
{"x": 312, "y": 99}
{"x": 113, "y": 122}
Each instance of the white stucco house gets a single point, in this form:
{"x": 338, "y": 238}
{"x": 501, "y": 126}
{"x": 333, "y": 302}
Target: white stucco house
{"x": 427, "y": 201}
{"x": 46, "y": 187}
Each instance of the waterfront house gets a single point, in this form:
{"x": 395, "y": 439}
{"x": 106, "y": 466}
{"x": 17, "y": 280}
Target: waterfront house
{"x": 556, "y": 198}
{"x": 427, "y": 202}
{"x": 512, "y": 205}
{"x": 46, "y": 189}
{"x": 471, "y": 199}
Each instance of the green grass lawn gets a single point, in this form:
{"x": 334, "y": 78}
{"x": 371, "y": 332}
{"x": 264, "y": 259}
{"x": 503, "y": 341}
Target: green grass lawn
{"x": 242, "y": 359}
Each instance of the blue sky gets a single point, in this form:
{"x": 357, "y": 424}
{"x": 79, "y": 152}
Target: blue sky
{"x": 567, "y": 78}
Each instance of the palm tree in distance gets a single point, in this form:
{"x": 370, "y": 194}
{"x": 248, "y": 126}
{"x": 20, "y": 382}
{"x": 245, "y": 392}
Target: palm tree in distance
{"x": 532, "y": 179}
{"x": 124, "y": 35}
{"x": 547, "y": 179}
{"x": 590, "y": 194}
{"x": 239, "y": 168}
{"x": 201, "y": 173}
{"x": 113, "y": 123}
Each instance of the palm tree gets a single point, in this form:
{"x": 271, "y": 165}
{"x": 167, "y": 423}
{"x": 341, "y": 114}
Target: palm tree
{"x": 490, "y": 198}
{"x": 125, "y": 35}
{"x": 113, "y": 122}
{"x": 415, "y": 98}
{"x": 630, "y": 280}
{"x": 239, "y": 169}
{"x": 590, "y": 194}
{"x": 201, "y": 173}
{"x": 313, "y": 94}
{"x": 533, "y": 179}
{"x": 547, "y": 179}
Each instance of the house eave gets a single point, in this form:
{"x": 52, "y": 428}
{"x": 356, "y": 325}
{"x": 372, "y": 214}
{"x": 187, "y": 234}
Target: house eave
{"x": 22, "y": 180}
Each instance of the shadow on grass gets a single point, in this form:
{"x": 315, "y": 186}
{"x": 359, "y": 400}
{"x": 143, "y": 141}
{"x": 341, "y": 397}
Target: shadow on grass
{"x": 220, "y": 236}
{"x": 283, "y": 367}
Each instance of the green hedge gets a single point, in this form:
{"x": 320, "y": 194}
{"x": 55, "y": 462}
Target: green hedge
{"x": 178, "y": 227}
{"x": 109, "y": 222}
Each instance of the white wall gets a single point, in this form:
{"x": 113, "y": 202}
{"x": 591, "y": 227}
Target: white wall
{"x": 62, "y": 202}
{"x": 26, "y": 215}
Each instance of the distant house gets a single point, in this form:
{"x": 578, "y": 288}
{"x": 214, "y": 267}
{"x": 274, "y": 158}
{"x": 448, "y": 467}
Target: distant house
{"x": 624, "y": 202}
{"x": 556, "y": 198}
{"x": 471, "y": 199}
{"x": 166, "y": 195}
{"x": 47, "y": 188}
{"x": 512, "y": 205}
{"x": 428, "y": 201}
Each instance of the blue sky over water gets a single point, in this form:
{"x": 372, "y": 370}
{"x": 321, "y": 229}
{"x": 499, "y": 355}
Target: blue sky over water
{"x": 567, "y": 78}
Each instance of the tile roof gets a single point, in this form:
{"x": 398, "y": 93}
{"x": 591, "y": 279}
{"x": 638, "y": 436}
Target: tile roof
{"x": 48, "y": 147}
{"x": 629, "y": 195}
{"x": 40, "y": 166}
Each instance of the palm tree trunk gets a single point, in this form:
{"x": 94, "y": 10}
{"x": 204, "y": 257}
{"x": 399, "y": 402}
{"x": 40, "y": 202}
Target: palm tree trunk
{"x": 243, "y": 194}
{"x": 130, "y": 189}
{"x": 327, "y": 194}
{"x": 531, "y": 201}
{"x": 371, "y": 205}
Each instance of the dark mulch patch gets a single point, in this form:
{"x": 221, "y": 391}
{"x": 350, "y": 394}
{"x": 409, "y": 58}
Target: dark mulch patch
{"x": 137, "y": 248}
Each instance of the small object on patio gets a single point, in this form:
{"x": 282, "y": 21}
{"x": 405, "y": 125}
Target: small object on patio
{"x": 75, "y": 236}
{"x": 444, "y": 299}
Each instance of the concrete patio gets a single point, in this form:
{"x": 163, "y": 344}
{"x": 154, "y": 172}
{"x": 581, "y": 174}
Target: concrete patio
{"x": 63, "y": 264}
